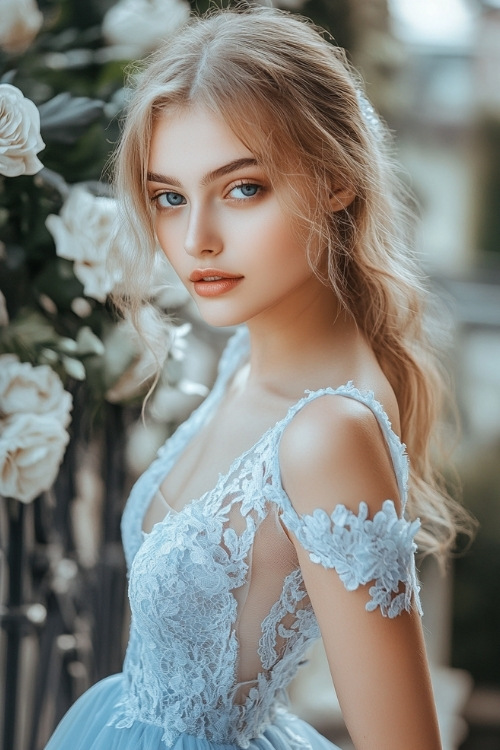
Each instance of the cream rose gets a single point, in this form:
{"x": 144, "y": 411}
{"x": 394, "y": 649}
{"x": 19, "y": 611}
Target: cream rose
{"x": 85, "y": 232}
{"x": 139, "y": 26}
{"x": 21, "y": 22}
{"x": 129, "y": 363}
{"x": 20, "y": 139}
{"x": 33, "y": 390}
{"x": 31, "y": 449}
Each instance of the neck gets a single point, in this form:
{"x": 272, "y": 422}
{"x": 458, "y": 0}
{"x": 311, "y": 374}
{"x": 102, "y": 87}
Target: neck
{"x": 287, "y": 344}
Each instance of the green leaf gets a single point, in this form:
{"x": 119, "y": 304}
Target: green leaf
{"x": 65, "y": 118}
{"x": 32, "y": 328}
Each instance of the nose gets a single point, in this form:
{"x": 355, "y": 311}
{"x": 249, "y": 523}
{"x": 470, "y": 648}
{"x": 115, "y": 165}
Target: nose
{"x": 202, "y": 234}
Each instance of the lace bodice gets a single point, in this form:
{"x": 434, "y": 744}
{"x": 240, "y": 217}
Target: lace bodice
{"x": 220, "y": 615}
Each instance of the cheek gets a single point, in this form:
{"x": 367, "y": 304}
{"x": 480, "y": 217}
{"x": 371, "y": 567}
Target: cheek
{"x": 161, "y": 234}
{"x": 288, "y": 248}
{"x": 168, "y": 238}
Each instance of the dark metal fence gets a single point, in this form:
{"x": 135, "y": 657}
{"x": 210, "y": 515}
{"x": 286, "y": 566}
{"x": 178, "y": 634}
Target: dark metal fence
{"x": 61, "y": 618}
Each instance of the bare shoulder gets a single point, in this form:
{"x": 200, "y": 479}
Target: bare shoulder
{"x": 328, "y": 422}
{"x": 334, "y": 451}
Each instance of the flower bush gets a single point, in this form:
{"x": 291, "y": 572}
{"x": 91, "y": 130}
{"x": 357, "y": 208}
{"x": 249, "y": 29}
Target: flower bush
{"x": 58, "y": 332}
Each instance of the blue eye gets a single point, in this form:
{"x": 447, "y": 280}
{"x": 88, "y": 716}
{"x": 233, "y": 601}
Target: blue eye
{"x": 170, "y": 199}
{"x": 247, "y": 190}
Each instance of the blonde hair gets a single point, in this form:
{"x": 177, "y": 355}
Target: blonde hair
{"x": 291, "y": 97}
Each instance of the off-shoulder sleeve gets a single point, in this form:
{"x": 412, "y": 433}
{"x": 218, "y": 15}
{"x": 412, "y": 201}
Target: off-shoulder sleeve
{"x": 379, "y": 551}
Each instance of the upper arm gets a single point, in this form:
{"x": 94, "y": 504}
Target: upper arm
{"x": 335, "y": 455}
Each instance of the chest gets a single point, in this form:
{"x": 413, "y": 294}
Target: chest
{"x": 236, "y": 426}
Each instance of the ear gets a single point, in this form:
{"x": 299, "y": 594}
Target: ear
{"x": 341, "y": 198}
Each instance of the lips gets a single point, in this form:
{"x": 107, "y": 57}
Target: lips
{"x": 212, "y": 282}
{"x": 211, "y": 274}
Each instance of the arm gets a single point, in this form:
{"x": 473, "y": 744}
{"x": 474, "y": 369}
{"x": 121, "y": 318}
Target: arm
{"x": 333, "y": 452}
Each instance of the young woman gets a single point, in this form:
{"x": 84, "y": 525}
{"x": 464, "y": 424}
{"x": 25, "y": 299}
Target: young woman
{"x": 285, "y": 506}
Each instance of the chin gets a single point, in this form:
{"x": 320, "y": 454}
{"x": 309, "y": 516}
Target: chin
{"x": 220, "y": 318}
{"x": 223, "y": 322}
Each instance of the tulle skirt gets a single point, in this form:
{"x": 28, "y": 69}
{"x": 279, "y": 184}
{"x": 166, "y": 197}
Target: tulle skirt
{"x": 84, "y": 727}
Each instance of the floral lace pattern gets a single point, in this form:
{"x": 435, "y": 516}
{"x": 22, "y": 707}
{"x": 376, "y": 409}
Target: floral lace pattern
{"x": 191, "y": 575}
{"x": 182, "y": 610}
{"x": 293, "y": 592}
{"x": 363, "y": 550}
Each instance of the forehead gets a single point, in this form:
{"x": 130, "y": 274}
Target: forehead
{"x": 193, "y": 140}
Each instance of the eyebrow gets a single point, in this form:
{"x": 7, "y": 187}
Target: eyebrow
{"x": 226, "y": 169}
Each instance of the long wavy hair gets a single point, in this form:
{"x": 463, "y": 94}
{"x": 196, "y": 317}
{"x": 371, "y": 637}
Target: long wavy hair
{"x": 291, "y": 97}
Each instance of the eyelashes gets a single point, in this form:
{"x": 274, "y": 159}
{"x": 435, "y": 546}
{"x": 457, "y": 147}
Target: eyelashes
{"x": 171, "y": 198}
{"x": 248, "y": 190}
{"x": 243, "y": 191}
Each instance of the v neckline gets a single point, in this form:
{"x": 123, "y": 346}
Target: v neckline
{"x": 346, "y": 389}
{"x": 222, "y": 476}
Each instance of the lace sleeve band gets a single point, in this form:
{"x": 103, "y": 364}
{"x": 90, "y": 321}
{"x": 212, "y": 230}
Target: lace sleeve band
{"x": 380, "y": 551}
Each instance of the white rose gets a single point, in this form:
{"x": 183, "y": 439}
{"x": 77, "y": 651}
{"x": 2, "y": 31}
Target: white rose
{"x": 139, "y": 26}
{"x": 129, "y": 362}
{"x": 20, "y": 139}
{"x": 31, "y": 449}
{"x": 85, "y": 232}
{"x": 21, "y": 22}
{"x": 34, "y": 390}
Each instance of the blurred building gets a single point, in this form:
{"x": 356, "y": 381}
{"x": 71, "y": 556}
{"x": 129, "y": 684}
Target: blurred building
{"x": 433, "y": 69}
{"x": 447, "y": 118}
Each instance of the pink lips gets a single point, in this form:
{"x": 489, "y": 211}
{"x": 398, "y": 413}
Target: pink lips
{"x": 210, "y": 282}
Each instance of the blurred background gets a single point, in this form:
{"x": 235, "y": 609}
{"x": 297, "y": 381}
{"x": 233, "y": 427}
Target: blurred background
{"x": 432, "y": 69}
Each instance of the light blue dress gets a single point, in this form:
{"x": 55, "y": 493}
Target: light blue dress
{"x": 220, "y": 616}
